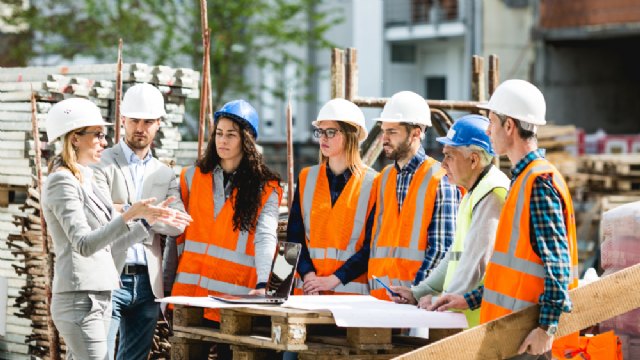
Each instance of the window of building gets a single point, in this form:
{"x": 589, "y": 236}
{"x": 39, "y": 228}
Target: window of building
{"x": 403, "y": 53}
{"x": 436, "y": 87}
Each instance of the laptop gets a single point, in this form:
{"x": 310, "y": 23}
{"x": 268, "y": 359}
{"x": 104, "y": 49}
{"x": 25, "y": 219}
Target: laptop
{"x": 281, "y": 278}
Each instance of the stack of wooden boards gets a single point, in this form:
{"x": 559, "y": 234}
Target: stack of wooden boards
{"x": 23, "y": 259}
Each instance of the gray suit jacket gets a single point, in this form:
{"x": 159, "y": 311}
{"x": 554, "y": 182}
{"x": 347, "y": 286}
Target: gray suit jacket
{"x": 113, "y": 177}
{"x": 85, "y": 232}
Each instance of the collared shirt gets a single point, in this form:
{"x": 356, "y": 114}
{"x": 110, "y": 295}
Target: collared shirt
{"x": 357, "y": 264}
{"x": 442, "y": 228}
{"x": 135, "y": 253}
{"x": 549, "y": 241}
{"x": 405, "y": 175}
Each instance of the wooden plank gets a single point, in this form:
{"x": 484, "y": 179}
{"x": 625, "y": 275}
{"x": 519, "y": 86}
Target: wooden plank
{"x": 337, "y": 73}
{"x": 211, "y": 335}
{"x": 499, "y": 339}
{"x": 356, "y": 337}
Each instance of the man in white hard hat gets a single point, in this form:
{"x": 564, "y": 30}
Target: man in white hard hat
{"x": 129, "y": 172}
{"x": 535, "y": 254}
{"x": 416, "y": 206}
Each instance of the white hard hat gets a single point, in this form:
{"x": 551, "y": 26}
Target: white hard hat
{"x": 406, "y": 107}
{"x": 520, "y": 100}
{"x": 346, "y": 111}
{"x": 71, "y": 114}
{"x": 143, "y": 101}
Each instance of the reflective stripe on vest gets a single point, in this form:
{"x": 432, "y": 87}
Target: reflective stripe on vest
{"x": 400, "y": 237}
{"x": 514, "y": 263}
{"x": 335, "y": 232}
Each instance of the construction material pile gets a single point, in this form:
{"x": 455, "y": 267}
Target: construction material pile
{"x": 621, "y": 249}
{"x": 24, "y": 259}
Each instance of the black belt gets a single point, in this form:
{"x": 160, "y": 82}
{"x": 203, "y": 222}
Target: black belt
{"x": 134, "y": 269}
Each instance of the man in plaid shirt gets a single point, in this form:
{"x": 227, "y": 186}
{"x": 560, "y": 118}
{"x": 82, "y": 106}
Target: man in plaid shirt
{"x": 535, "y": 263}
{"x": 416, "y": 206}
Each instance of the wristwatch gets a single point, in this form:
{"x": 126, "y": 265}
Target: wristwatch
{"x": 550, "y": 329}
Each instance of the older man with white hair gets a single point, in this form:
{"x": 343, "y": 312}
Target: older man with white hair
{"x": 467, "y": 159}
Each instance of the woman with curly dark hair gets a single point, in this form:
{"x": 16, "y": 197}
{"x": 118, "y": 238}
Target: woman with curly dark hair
{"x": 233, "y": 198}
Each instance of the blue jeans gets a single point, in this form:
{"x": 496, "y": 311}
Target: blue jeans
{"x": 135, "y": 314}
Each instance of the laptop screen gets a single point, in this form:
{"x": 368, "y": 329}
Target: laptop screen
{"x": 283, "y": 268}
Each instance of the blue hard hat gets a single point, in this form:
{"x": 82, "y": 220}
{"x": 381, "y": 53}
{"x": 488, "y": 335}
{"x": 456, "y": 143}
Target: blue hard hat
{"x": 241, "y": 112}
{"x": 469, "y": 130}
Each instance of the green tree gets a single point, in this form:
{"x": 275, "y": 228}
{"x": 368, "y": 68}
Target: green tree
{"x": 264, "y": 33}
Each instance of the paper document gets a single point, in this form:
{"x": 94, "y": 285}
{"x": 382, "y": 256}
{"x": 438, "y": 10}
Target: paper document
{"x": 205, "y": 302}
{"x": 367, "y": 311}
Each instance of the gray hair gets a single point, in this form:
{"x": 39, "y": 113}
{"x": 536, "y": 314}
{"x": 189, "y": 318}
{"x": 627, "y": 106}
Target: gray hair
{"x": 485, "y": 157}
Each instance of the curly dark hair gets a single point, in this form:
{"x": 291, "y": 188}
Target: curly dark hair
{"x": 250, "y": 177}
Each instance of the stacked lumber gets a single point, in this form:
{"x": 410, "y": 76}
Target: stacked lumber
{"x": 16, "y": 330}
{"x": 27, "y": 244}
{"x": 621, "y": 249}
{"x": 611, "y": 173}
{"x": 604, "y": 182}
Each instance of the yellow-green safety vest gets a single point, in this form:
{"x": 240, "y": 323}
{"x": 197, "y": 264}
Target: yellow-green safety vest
{"x": 496, "y": 181}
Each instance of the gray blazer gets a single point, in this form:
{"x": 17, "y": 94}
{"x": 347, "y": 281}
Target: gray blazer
{"x": 85, "y": 232}
{"x": 113, "y": 177}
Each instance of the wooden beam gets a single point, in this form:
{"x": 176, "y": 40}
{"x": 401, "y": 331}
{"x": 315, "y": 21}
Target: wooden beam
{"x": 118, "y": 95}
{"x": 477, "y": 78}
{"x": 499, "y": 339}
{"x": 494, "y": 73}
{"x": 439, "y": 104}
{"x": 337, "y": 73}
{"x": 351, "y": 76}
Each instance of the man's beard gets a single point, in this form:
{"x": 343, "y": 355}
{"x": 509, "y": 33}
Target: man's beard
{"x": 136, "y": 143}
{"x": 400, "y": 152}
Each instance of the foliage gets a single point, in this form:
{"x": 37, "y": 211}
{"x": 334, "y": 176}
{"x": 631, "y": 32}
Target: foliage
{"x": 266, "y": 33}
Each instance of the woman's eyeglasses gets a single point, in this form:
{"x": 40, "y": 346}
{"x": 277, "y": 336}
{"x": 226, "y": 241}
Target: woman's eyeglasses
{"x": 329, "y": 133}
{"x": 98, "y": 134}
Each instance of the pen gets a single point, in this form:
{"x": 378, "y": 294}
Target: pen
{"x": 393, "y": 293}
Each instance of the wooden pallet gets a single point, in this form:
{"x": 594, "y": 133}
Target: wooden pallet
{"x": 253, "y": 332}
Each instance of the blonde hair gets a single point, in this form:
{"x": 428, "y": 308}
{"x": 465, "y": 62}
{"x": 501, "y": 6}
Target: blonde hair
{"x": 68, "y": 158}
{"x": 351, "y": 149}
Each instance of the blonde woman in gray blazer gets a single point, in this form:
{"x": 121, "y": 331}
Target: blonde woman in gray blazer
{"x": 86, "y": 230}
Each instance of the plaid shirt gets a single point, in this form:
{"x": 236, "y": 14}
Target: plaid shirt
{"x": 549, "y": 242}
{"x": 442, "y": 227}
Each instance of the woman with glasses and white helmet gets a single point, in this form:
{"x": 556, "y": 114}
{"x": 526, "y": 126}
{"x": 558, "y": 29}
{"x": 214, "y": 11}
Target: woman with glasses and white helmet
{"x": 332, "y": 210}
{"x": 86, "y": 230}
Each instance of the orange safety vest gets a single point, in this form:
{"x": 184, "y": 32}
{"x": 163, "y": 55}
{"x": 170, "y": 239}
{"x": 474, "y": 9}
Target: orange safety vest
{"x": 399, "y": 240}
{"x": 334, "y": 233}
{"x": 213, "y": 257}
{"x": 515, "y": 274}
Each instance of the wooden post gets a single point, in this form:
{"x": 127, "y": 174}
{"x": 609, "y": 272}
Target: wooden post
{"x": 290, "y": 179}
{"x": 351, "y": 76}
{"x": 477, "y": 78}
{"x": 337, "y": 73}
{"x": 204, "y": 90}
{"x": 118, "y": 121}
{"x": 494, "y": 73}
{"x": 52, "y": 333}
